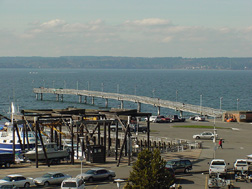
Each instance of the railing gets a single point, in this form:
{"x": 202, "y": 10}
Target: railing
{"x": 137, "y": 99}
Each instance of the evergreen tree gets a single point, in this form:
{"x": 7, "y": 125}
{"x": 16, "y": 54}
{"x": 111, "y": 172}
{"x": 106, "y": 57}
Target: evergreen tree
{"x": 149, "y": 172}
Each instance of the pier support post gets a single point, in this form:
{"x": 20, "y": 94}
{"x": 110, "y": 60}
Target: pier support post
{"x": 158, "y": 108}
{"x": 36, "y": 96}
{"x": 41, "y": 96}
{"x": 85, "y": 99}
{"x": 92, "y": 100}
{"x": 139, "y": 107}
{"x": 106, "y": 102}
{"x": 57, "y": 97}
{"x": 80, "y": 98}
{"x": 181, "y": 113}
{"x": 121, "y": 104}
{"x": 61, "y": 98}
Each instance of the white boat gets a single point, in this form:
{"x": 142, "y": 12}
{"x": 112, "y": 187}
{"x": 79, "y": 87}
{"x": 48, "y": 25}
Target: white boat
{"x": 52, "y": 152}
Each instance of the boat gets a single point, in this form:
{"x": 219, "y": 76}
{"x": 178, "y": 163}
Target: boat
{"x": 6, "y": 140}
{"x": 52, "y": 152}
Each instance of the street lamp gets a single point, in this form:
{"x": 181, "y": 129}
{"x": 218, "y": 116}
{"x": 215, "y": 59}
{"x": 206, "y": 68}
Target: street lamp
{"x": 238, "y": 103}
{"x": 221, "y": 102}
{"x": 102, "y": 85}
{"x": 153, "y": 93}
{"x": 81, "y": 158}
{"x": 201, "y": 104}
{"x": 176, "y": 95}
{"x": 88, "y": 85}
{"x": 117, "y": 88}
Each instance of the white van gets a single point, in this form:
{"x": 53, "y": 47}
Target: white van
{"x": 73, "y": 183}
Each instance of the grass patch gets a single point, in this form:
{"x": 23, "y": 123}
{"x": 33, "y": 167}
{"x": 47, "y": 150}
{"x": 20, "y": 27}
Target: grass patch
{"x": 198, "y": 127}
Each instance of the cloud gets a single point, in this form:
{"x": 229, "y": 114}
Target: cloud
{"x": 148, "y": 22}
{"x": 146, "y": 37}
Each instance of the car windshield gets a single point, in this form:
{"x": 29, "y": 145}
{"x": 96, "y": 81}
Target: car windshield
{"x": 47, "y": 175}
{"x": 170, "y": 163}
{"x": 69, "y": 184}
{"x": 7, "y": 178}
{"x": 90, "y": 172}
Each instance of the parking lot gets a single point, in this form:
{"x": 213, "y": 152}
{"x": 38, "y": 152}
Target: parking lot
{"x": 237, "y": 144}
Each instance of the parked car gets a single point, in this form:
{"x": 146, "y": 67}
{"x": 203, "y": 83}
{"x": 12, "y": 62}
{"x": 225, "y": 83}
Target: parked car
{"x": 73, "y": 183}
{"x": 218, "y": 166}
{"x": 241, "y": 165}
{"x": 179, "y": 165}
{"x": 205, "y": 135}
{"x": 97, "y": 174}
{"x": 16, "y": 180}
{"x": 51, "y": 178}
{"x": 176, "y": 118}
{"x": 151, "y": 119}
{"x": 197, "y": 118}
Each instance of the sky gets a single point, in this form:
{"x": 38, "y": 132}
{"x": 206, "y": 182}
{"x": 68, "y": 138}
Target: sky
{"x": 131, "y": 28}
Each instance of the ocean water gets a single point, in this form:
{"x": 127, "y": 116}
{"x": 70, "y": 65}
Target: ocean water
{"x": 231, "y": 90}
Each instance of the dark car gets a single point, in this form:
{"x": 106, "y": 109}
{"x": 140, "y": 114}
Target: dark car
{"x": 179, "y": 165}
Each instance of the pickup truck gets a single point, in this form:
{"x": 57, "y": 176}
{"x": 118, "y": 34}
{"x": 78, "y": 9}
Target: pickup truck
{"x": 241, "y": 165}
{"x": 217, "y": 167}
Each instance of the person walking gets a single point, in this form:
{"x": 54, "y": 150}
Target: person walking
{"x": 220, "y": 143}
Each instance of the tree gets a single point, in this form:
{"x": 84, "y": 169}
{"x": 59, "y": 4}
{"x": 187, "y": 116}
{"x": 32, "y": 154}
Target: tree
{"x": 149, "y": 172}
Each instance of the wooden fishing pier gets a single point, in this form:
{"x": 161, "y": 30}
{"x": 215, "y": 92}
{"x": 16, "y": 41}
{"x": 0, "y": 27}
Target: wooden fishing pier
{"x": 83, "y": 94}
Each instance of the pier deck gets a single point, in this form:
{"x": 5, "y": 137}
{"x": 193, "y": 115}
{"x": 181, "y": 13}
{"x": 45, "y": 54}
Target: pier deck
{"x": 132, "y": 98}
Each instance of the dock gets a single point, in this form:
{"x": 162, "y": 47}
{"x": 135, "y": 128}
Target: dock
{"x": 156, "y": 102}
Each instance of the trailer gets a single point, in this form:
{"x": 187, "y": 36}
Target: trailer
{"x": 6, "y": 159}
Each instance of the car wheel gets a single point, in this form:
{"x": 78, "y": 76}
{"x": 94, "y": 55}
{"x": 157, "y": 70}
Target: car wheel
{"x": 197, "y": 137}
{"x": 27, "y": 185}
{"x": 7, "y": 165}
{"x": 186, "y": 170}
{"x": 90, "y": 179}
{"x": 46, "y": 184}
{"x": 113, "y": 130}
{"x": 144, "y": 132}
{"x": 212, "y": 138}
{"x": 110, "y": 178}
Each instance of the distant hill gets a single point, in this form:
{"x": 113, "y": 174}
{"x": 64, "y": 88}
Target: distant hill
{"x": 110, "y": 62}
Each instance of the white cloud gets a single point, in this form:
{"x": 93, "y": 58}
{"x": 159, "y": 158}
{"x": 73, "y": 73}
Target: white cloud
{"x": 148, "y": 22}
{"x": 146, "y": 37}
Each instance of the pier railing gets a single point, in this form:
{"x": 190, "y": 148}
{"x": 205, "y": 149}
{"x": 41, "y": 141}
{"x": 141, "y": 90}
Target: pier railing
{"x": 137, "y": 99}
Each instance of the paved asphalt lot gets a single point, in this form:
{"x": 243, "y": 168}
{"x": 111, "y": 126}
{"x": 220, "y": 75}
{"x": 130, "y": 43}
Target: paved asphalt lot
{"x": 237, "y": 144}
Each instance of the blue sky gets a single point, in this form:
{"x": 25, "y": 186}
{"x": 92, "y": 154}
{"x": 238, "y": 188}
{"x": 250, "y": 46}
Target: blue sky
{"x": 136, "y": 28}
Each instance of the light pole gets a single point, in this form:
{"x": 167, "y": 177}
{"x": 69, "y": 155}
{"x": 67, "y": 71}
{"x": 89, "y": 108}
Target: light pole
{"x": 238, "y": 103}
{"x": 201, "y": 104}
{"x": 102, "y": 85}
{"x": 64, "y": 84}
{"x": 88, "y": 85}
{"x": 153, "y": 93}
{"x": 176, "y": 95}
{"x": 118, "y": 88}
{"x": 221, "y": 102}
{"x": 81, "y": 158}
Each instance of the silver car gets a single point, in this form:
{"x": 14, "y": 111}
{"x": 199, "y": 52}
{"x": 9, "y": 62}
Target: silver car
{"x": 205, "y": 135}
{"x": 97, "y": 174}
{"x": 51, "y": 178}
{"x": 16, "y": 180}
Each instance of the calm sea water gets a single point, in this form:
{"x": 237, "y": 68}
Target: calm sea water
{"x": 235, "y": 87}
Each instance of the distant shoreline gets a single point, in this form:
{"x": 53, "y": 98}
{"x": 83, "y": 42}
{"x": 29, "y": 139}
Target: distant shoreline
{"x": 110, "y": 62}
